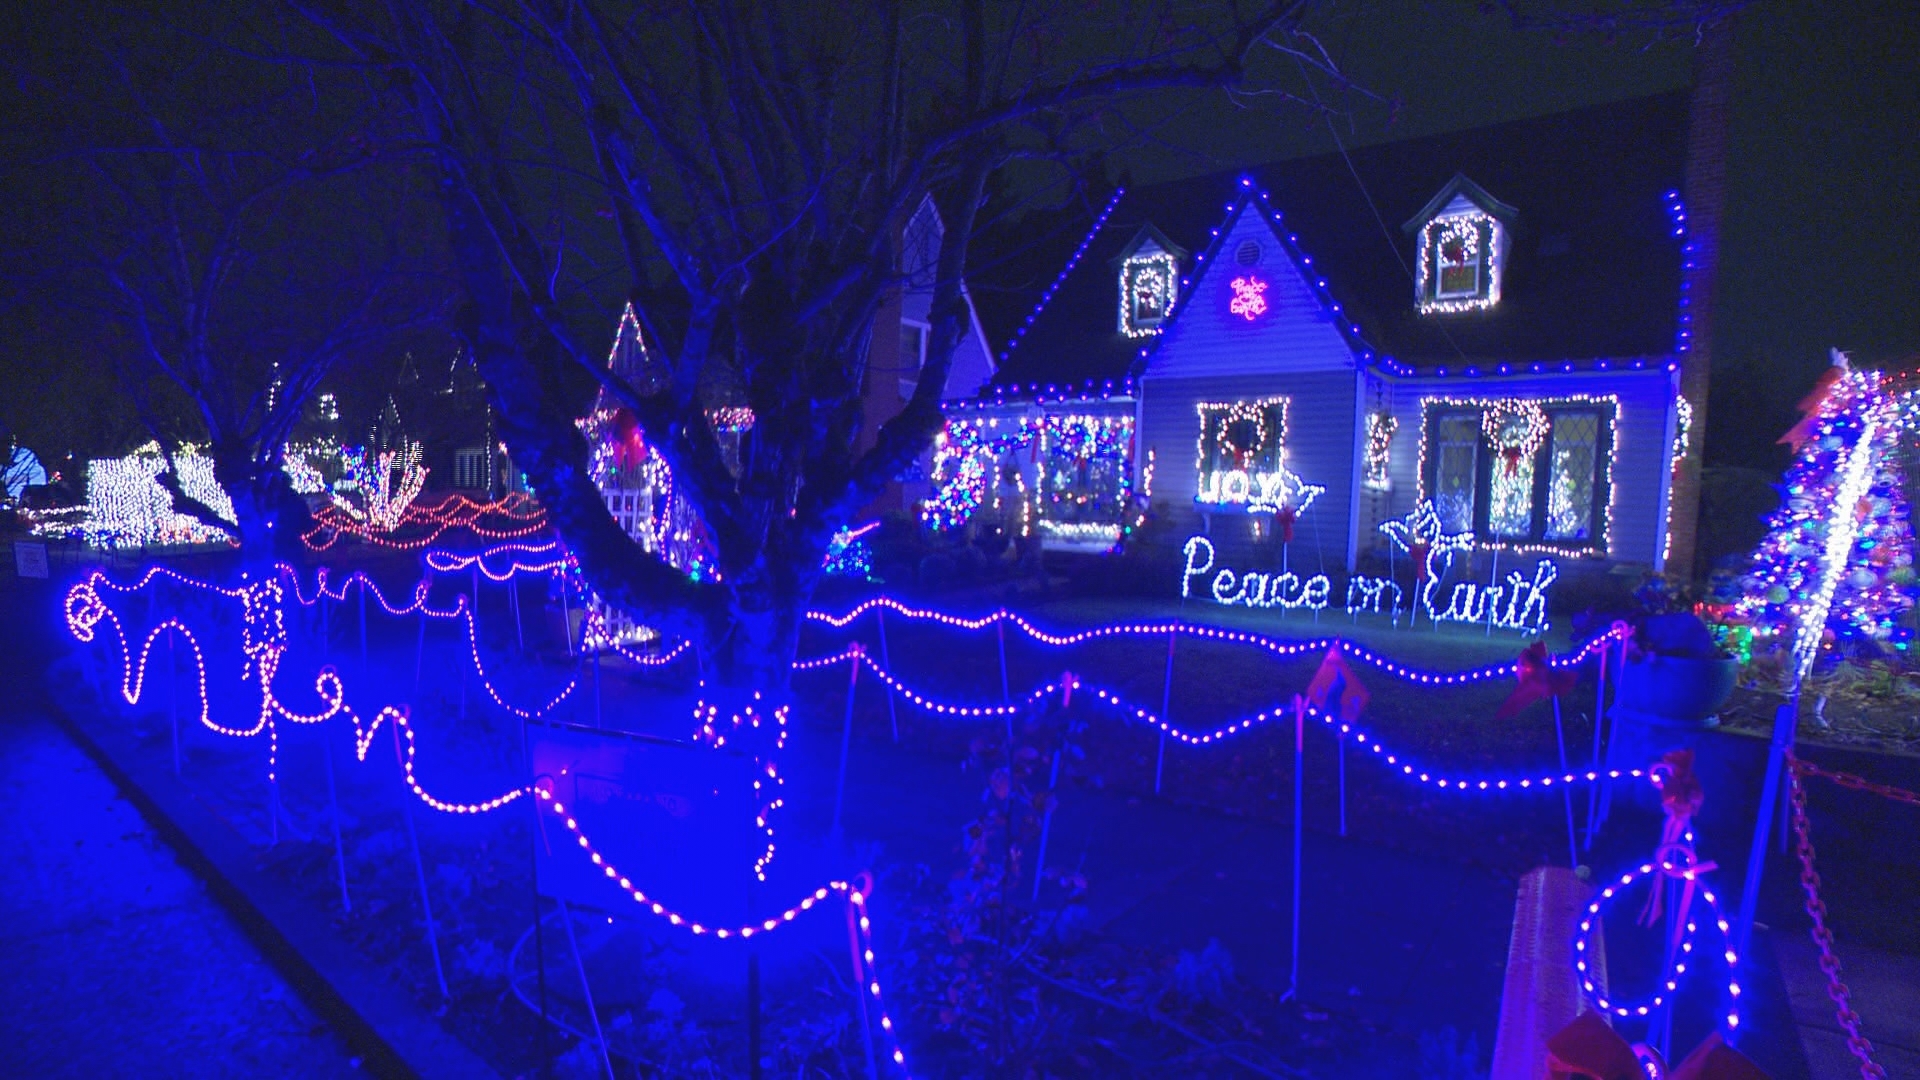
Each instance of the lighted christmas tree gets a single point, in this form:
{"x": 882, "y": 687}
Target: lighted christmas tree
{"x": 1837, "y": 561}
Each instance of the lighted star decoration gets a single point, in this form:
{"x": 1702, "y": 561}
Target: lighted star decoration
{"x": 1249, "y": 299}
{"x": 1421, "y": 527}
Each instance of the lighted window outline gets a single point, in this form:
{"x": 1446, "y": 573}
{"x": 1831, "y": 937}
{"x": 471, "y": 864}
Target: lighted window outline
{"x": 1488, "y": 238}
{"x": 1136, "y": 269}
{"x": 1599, "y": 541}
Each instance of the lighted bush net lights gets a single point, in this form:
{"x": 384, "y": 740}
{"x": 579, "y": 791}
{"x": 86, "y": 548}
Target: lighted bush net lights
{"x": 761, "y": 725}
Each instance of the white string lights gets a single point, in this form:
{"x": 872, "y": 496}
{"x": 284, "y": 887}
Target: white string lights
{"x": 1461, "y": 263}
{"x": 1374, "y": 468}
{"x": 1241, "y": 458}
{"x": 1149, "y": 284}
{"x": 127, "y": 507}
{"x": 1606, "y": 407}
{"x": 1519, "y": 603}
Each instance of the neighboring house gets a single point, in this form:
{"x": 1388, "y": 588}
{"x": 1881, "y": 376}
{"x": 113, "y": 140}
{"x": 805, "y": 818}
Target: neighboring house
{"x": 1496, "y": 325}
{"x": 899, "y": 350}
{"x": 445, "y": 409}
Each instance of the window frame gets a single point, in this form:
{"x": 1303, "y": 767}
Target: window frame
{"x": 909, "y": 382}
{"x": 1598, "y": 541}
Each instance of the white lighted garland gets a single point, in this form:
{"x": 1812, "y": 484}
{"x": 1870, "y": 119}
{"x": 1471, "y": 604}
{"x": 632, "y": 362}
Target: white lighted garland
{"x": 1467, "y": 229}
{"x": 1154, "y": 275}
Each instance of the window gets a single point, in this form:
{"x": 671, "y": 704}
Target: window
{"x": 470, "y": 469}
{"x": 1149, "y": 283}
{"x": 1457, "y": 470}
{"x": 1242, "y": 459}
{"x": 913, "y": 354}
{"x": 1543, "y": 486}
{"x": 1460, "y": 257}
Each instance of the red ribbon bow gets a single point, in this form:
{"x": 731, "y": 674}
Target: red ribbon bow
{"x": 1538, "y": 681}
{"x": 1336, "y": 681}
{"x": 1588, "y": 1049}
{"x": 1283, "y": 519}
{"x": 1419, "y": 551}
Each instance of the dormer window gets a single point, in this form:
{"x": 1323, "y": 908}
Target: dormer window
{"x": 1459, "y": 262}
{"x": 1149, "y": 282}
{"x": 1461, "y": 238}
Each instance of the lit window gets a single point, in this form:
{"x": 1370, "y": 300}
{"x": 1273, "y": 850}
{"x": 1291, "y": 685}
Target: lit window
{"x": 1575, "y": 447}
{"x": 1149, "y": 284}
{"x": 1460, "y": 262}
{"x": 1456, "y": 471}
{"x": 470, "y": 469}
{"x": 1527, "y": 473}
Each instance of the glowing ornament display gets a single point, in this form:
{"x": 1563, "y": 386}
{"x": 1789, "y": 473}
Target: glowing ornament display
{"x": 1838, "y": 556}
{"x": 1374, "y": 466}
{"x": 127, "y": 507}
{"x": 849, "y": 555}
{"x": 1086, "y": 483}
{"x": 1571, "y": 490}
{"x": 377, "y": 498}
{"x": 1516, "y": 429}
{"x": 1249, "y": 297}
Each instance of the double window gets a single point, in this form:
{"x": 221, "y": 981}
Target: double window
{"x": 1556, "y": 496}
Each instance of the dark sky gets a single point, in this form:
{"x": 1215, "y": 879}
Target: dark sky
{"x": 1821, "y": 244}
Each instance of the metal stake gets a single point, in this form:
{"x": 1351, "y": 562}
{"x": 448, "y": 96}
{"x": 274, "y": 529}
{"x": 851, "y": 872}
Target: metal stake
{"x": 1299, "y": 786}
{"x": 846, "y": 743}
{"x": 893, "y": 720}
{"x": 1166, "y": 711}
{"x": 580, "y": 965}
{"x": 1566, "y": 790}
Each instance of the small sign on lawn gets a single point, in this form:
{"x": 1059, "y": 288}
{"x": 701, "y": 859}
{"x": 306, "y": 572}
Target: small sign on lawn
{"x": 30, "y": 560}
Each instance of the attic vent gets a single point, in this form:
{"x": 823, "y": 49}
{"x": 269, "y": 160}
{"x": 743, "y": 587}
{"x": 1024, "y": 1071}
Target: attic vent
{"x": 1248, "y": 254}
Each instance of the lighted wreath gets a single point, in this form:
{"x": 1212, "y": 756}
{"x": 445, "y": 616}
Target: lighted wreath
{"x": 1515, "y": 429}
{"x": 1244, "y": 418}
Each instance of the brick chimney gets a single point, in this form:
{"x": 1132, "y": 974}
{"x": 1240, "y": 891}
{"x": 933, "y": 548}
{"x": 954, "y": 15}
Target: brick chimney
{"x": 1705, "y": 192}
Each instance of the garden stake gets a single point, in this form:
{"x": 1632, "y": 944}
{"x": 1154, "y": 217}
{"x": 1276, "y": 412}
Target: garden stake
{"x": 1299, "y": 784}
{"x": 1495, "y": 579}
{"x": 1599, "y": 717}
{"x": 1566, "y": 790}
{"x": 363, "y": 629}
{"x": 886, "y": 661}
{"x": 846, "y": 742}
{"x": 536, "y": 838}
{"x": 1006, "y": 696}
{"x": 1784, "y": 719}
{"x": 859, "y": 983}
{"x": 580, "y": 965}
{"x": 566, "y": 612}
{"x": 420, "y": 871}
{"x": 1343, "y": 784}
{"x": 419, "y": 652}
{"x": 1166, "y": 710}
{"x": 598, "y": 721}
{"x": 1053, "y": 785}
{"x": 333, "y": 818}
{"x": 513, "y": 601}
{"x": 173, "y": 701}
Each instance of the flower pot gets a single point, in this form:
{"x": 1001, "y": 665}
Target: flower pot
{"x": 1676, "y": 688}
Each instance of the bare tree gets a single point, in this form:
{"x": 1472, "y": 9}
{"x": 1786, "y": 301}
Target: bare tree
{"x": 227, "y": 233}
{"x": 744, "y": 172}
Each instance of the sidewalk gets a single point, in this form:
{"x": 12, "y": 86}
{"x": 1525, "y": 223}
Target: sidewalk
{"x": 118, "y": 962}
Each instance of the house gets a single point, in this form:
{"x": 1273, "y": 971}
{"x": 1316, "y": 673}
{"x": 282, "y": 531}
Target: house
{"x": 1489, "y": 324}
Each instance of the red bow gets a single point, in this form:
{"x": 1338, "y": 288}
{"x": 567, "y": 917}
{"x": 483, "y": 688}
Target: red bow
{"x": 1588, "y": 1049}
{"x": 629, "y": 442}
{"x": 1538, "y": 681}
{"x": 1512, "y": 454}
{"x": 1420, "y": 552}
{"x": 1336, "y": 680}
{"x": 1809, "y": 406}
{"x": 1284, "y": 518}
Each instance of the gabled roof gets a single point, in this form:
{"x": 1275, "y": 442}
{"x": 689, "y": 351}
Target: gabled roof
{"x": 1461, "y": 187}
{"x": 1593, "y": 270}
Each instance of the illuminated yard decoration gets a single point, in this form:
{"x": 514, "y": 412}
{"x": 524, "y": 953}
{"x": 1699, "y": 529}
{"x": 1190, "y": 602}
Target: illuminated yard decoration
{"x": 1374, "y": 468}
{"x": 1838, "y": 557}
{"x": 1520, "y": 603}
{"x": 312, "y": 464}
{"x": 849, "y": 555}
{"x": 966, "y": 460}
{"x": 1241, "y": 456}
{"x": 1086, "y": 487}
{"x": 1460, "y": 263}
{"x": 1252, "y": 588}
{"x": 1249, "y": 297}
{"x": 1149, "y": 284}
{"x": 127, "y": 507}
{"x": 1368, "y": 593}
{"x": 377, "y": 499}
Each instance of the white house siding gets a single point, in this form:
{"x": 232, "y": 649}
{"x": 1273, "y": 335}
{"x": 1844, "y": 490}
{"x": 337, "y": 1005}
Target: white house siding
{"x": 1641, "y": 446}
{"x": 1292, "y": 350}
{"x": 1319, "y": 441}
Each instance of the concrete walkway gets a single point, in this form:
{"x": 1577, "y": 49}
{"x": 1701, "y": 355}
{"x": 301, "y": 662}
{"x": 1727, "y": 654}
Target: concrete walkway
{"x": 118, "y": 962}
